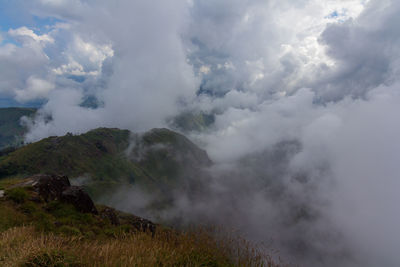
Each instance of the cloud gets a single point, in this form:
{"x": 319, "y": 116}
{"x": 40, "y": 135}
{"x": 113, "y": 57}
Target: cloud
{"x": 84, "y": 58}
{"x": 19, "y": 63}
{"x": 58, "y": 57}
{"x": 358, "y": 139}
{"x": 35, "y": 89}
{"x": 25, "y": 32}
{"x": 364, "y": 53}
{"x": 146, "y": 77}
{"x": 271, "y": 46}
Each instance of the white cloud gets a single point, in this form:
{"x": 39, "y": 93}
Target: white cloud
{"x": 95, "y": 53}
{"x": 147, "y": 76}
{"x": 36, "y": 88}
{"x": 25, "y": 32}
{"x": 84, "y": 58}
{"x": 19, "y": 63}
{"x": 280, "y": 36}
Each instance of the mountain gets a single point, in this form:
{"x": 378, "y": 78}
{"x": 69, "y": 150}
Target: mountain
{"x": 192, "y": 121}
{"x": 46, "y": 220}
{"x": 106, "y": 159}
{"x": 11, "y": 131}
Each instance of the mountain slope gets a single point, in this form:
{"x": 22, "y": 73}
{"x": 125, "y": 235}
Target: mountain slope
{"x": 11, "y": 131}
{"x": 39, "y": 226}
{"x": 192, "y": 121}
{"x": 157, "y": 160}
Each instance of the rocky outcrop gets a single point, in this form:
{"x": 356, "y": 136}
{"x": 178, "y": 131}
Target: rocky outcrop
{"x": 111, "y": 215}
{"x": 139, "y": 223}
{"x": 58, "y": 188}
{"x": 50, "y": 187}
{"x": 77, "y": 197}
{"x": 121, "y": 218}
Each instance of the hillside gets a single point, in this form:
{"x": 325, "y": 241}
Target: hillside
{"x": 44, "y": 221}
{"x": 11, "y": 131}
{"x": 192, "y": 121}
{"x": 108, "y": 158}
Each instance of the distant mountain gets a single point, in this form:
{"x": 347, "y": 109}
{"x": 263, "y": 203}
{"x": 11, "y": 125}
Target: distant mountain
{"x": 192, "y": 121}
{"x": 103, "y": 159}
{"x": 11, "y": 130}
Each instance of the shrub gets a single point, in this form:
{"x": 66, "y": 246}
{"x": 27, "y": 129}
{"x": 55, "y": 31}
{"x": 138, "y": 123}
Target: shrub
{"x": 69, "y": 230}
{"x": 68, "y": 213}
{"x": 28, "y": 208}
{"x": 18, "y": 195}
{"x": 43, "y": 222}
{"x": 9, "y": 217}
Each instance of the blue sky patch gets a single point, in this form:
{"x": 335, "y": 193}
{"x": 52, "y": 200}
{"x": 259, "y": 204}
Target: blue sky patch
{"x": 334, "y": 14}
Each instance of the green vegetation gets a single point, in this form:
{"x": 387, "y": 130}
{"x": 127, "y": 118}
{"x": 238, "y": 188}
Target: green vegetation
{"x": 193, "y": 121}
{"x": 23, "y": 206}
{"x": 11, "y": 131}
{"x": 36, "y": 233}
{"x": 71, "y": 155}
{"x": 157, "y": 159}
{"x": 10, "y": 217}
{"x": 18, "y": 195}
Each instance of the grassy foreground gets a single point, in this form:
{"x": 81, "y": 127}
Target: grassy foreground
{"x": 38, "y": 233}
{"x": 24, "y": 246}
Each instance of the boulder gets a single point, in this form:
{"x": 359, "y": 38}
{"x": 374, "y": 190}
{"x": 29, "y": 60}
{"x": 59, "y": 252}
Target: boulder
{"x": 139, "y": 223}
{"x": 111, "y": 215}
{"x": 58, "y": 188}
{"x": 49, "y": 187}
{"x": 143, "y": 225}
{"x": 77, "y": 197}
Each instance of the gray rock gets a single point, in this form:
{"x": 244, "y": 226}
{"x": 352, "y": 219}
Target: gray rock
{"x": 50, "y": 187}
{"x": 111, "y": 215}
{"x": 77, "y": 197}
{"x": 140, "y": 224}
{"x": 58, "y": 188}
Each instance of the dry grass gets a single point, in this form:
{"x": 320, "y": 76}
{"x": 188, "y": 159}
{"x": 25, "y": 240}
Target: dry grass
{"x": 25, "y": 246}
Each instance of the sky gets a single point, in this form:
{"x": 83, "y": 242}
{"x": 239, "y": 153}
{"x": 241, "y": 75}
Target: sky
{"x": 320, "y": 74}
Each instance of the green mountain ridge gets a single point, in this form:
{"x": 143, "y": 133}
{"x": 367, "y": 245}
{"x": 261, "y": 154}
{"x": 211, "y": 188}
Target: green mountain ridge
{"x": 157, "y": 160}
{"x": 35, "y": 231}
{"x": 192, "y": 121}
